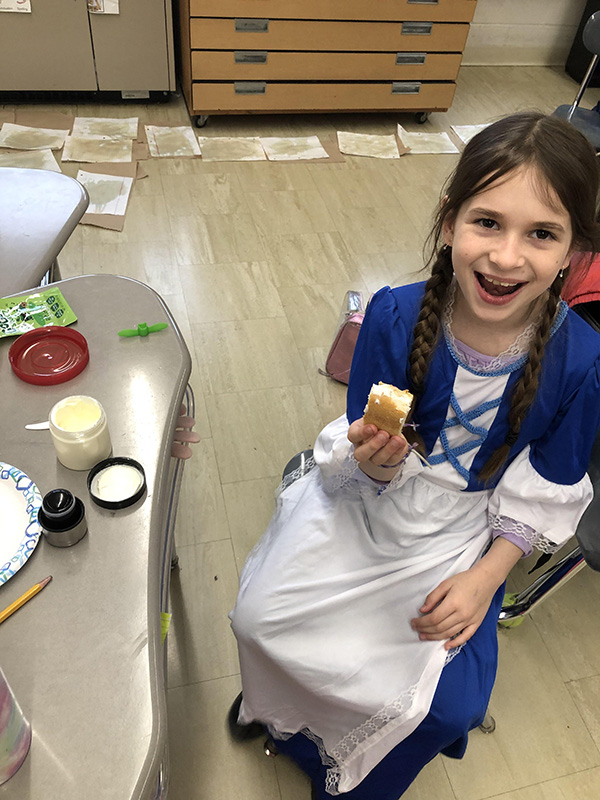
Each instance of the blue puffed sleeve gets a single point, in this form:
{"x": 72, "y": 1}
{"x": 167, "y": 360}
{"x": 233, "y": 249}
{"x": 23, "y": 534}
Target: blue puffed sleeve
{"x": 383, "y": 345}
{"x": 562, "y": 454}
{"x": 544, "y": 492}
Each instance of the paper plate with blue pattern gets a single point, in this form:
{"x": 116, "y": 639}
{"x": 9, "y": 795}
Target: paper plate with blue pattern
{"x": 20, "y": 530}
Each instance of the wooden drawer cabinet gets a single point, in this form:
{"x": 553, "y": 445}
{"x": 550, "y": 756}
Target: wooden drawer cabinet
{"x": 281, "y": 56}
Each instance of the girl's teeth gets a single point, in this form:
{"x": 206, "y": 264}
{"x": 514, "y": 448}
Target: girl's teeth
{"x": 500, "y": 283}
{"x": 496, "y": 287}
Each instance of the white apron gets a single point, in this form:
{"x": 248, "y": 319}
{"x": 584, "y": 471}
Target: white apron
{"x": 325, "y": 603}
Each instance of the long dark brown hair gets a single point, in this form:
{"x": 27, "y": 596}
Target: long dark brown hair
{"x": 565, "y": 164}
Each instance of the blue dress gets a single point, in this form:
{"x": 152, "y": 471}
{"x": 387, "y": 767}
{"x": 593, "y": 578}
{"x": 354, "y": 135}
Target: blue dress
{"x": 328, "y": 659}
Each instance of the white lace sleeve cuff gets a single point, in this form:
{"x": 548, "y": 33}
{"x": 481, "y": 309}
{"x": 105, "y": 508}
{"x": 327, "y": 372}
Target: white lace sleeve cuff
{"x": 334, "y": 455}
{"x": 516, "y": 532}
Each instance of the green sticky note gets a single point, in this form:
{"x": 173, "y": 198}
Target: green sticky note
{"x": 165, "y": 622}
{"x": 21, "y": 314}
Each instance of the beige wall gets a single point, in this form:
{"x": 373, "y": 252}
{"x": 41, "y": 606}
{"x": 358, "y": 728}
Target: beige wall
{"x": 523, "y": 31}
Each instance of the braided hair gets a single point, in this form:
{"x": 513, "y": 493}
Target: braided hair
{"x": 428, "y": 326}
{"x": 568, "y": 169}
{"x": 526, "y": 387}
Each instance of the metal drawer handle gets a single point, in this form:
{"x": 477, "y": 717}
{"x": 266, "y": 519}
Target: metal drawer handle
{"x": 417, "y": 28}
{"x": 410, "y": 58}
{"x": 251, "y": 56}
{"x": 253, "y": 25}
{"x": 423, "y": 2}
{"x": 250, "y": 87}
{"x": 406, "y": 87}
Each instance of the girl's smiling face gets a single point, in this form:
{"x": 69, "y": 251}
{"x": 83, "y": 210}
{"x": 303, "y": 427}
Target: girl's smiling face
{"x": 508, "y": 244}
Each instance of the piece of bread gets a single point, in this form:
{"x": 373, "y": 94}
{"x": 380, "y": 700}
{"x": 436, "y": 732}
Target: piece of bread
{"x": 387, "y": 407}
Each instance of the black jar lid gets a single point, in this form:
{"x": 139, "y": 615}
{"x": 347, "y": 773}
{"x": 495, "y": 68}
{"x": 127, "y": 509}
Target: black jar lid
{"x": 116, "y": 482}
{"x": 60, "y": 511}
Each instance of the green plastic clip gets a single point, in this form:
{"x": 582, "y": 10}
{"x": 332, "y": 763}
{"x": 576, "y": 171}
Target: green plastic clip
{"x": 143, "y": 329}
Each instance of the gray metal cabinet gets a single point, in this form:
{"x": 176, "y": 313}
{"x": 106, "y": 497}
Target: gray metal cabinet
{"x": 61, "y": 47}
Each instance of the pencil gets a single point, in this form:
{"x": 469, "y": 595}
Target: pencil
{"x": 24, "y": 598}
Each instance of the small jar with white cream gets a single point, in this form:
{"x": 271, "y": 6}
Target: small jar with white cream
{"x": 80, "y": 432}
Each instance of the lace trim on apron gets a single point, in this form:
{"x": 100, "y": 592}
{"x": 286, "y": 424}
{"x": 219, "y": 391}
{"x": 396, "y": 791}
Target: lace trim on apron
{"x": 346, "y": 746}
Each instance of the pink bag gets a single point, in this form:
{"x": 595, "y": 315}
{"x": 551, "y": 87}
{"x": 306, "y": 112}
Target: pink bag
{"x": 339, "y": 359}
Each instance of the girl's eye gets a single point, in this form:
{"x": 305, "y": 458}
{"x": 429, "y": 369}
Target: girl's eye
{"x": 489, "y": 224}
{"x": 543, "y": 235}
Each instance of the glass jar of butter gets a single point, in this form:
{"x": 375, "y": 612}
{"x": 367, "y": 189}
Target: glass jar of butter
{"x": 80, "y": 432}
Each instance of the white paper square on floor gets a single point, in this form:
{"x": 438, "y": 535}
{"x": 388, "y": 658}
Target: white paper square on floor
{"x": 172, "y": 142}
{"x": 23, "y": 137}
{"x": 231, "y": 148}
{"x": 466, "y": 132}
{"x": 368, "y": 144}
{"x": 427, "y": 142}
{"x": 30, "y": 159}
{"x": 108, "y": 193}
{"x": 293, "y": 148}
{"x": 107, "y": 127}
{"x": 97, "y": 149}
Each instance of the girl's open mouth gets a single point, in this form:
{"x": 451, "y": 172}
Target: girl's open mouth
{"x": 495, "y": 291}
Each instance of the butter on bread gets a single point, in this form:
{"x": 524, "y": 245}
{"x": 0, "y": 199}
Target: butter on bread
{"x": 387, "y": 407}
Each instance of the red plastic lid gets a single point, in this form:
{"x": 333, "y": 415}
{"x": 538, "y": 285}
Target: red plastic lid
{"x": 49, "y": 355}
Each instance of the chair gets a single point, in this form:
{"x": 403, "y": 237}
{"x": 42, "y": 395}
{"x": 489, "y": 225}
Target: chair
{"x": 586, "y": 120}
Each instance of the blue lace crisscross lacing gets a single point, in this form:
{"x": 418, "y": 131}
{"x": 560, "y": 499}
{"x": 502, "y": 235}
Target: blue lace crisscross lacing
{"x": 463, "y": 418}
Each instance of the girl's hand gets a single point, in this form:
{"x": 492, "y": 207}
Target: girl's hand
{"x": 456, "y": 608}
{"x": 376, "y": 447}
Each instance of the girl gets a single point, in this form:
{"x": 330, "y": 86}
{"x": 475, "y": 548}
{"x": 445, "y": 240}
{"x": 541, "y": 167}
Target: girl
{"x": 366, "y": 618}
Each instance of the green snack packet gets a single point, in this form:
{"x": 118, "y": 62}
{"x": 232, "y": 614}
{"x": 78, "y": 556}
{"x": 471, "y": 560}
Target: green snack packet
{"x": 21, "y": 314}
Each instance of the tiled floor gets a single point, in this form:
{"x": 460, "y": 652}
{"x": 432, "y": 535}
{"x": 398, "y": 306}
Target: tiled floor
{"x": 254, "y": 259}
